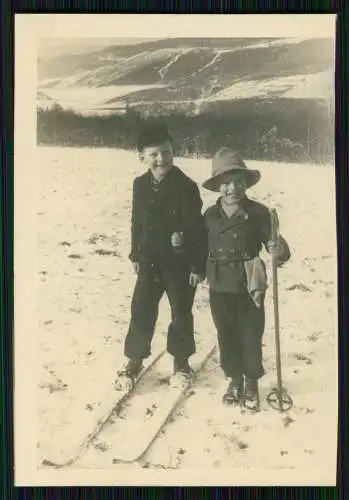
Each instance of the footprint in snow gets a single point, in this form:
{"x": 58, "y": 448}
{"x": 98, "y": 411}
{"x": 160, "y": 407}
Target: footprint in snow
{"x": 299, "y": 286}
{"x": 58, "y": 387}
{"x": 288, "y": 421}
{"x": 102, "y": 251}
{"x": 314, "y": 337}
{"x": 241, "y": 445}
{"x": 101, "y": 446}
{"x": 302, "y": 357}
{"x": 74, "y": 256}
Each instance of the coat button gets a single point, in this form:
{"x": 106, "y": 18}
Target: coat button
{"x": 235, "y": 235}
{"x": 246, "y": 216}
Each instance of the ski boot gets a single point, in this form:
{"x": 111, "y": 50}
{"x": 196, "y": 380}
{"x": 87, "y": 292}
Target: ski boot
{"x": 127, "y": 376}
{"x": 182, "y": 374}
{"x": 234, "y": 392}
{"x": 251, "y": 395}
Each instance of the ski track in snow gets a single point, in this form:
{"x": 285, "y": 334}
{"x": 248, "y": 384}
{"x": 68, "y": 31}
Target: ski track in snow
{"x": 243, "y": 48}
{"x": 162, "y": 71}
{"x": 213, "y": 60}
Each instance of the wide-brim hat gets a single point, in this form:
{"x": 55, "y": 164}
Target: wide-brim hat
{"x": 225, "y": 161}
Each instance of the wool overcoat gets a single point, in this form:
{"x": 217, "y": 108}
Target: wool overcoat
{"x": 174, "y": 206}
{"x": 233, "y": 240}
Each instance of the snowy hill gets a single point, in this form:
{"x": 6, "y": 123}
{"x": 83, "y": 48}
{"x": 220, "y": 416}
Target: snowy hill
{"x": 189, "y": 73}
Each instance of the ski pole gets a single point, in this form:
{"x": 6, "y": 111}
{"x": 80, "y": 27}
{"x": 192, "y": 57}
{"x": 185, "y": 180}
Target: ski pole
{"x": 278, "y": 395}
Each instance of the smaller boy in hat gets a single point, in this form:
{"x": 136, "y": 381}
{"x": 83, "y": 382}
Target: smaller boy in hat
{"x": 237, "y": 227}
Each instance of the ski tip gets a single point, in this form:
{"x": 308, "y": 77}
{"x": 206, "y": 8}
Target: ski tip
{"x": 48, "y": 463}
{"x": 128, "y": 459}
{"x": 123, "y": 460}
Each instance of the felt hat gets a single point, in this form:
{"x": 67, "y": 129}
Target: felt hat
{"x": 228, "y": 161}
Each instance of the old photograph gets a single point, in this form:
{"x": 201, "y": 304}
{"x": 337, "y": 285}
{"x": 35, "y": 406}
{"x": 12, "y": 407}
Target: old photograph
{"x": 184, "y": 253}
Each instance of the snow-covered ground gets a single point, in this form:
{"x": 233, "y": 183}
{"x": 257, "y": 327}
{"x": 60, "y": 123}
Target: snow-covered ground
{"x": 85, "y": 289}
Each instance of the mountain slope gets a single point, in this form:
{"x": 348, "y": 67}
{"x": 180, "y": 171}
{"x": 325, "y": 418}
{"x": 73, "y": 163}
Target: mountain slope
{"x": 164, "y": 72}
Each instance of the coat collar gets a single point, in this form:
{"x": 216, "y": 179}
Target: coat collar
{"x": 169, "y": 177}
{"x": 166, "y": 186}
{"x": 237, "y": 218}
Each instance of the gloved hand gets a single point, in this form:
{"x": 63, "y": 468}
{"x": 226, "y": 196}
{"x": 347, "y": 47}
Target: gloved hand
{"x": 274, "y": 248}
{"x": 195, "y": 279}
{"x": 177, "y": 240}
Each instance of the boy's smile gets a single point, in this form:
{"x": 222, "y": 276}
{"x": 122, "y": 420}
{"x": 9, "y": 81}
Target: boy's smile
{"x": 159, "y": 158}
{"x": 233, "y": 188}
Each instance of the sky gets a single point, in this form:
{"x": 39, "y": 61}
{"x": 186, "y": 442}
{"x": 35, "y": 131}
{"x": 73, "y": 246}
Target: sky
{"x": 53, "y": 47}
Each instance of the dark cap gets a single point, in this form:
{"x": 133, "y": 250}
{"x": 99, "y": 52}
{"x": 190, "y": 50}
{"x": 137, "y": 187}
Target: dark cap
{"x": 152, "y": 135}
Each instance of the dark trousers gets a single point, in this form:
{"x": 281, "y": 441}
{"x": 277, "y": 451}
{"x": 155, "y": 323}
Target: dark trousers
{"x": 240, "y": 327}
{"x": 153, "y": 280}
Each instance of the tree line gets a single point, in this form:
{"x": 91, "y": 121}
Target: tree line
{"x": 299, "y": 132}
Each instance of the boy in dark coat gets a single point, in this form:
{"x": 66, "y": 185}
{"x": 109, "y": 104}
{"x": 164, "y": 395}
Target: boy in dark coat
{"x": 237, "y": 228}
{"x": 168, "y": 253}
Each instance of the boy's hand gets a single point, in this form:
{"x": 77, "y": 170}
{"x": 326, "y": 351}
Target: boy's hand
{"x": 195, "y": 279}
{"x": 135, "y": 266}
{"x": 275, "y": 249}
{"x": 177, "y": 240}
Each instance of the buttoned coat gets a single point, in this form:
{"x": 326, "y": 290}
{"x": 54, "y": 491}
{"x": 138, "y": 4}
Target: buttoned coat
{"x": 233, "y": 240}
{"x": 175, "y": 207}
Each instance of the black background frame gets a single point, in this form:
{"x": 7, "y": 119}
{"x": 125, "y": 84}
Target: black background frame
{"x": 8, "y": 9}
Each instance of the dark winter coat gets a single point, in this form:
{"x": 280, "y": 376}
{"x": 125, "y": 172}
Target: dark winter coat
{"x": 174, "y": 205}
{"x": 233, "y": 240}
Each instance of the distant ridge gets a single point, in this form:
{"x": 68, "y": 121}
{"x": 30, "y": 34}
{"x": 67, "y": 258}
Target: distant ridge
{"x": 191, "y": 72}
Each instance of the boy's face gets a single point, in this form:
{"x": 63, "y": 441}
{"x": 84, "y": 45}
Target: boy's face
{"x": 233, "y": 187}
{"x": 159, "y": 158}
